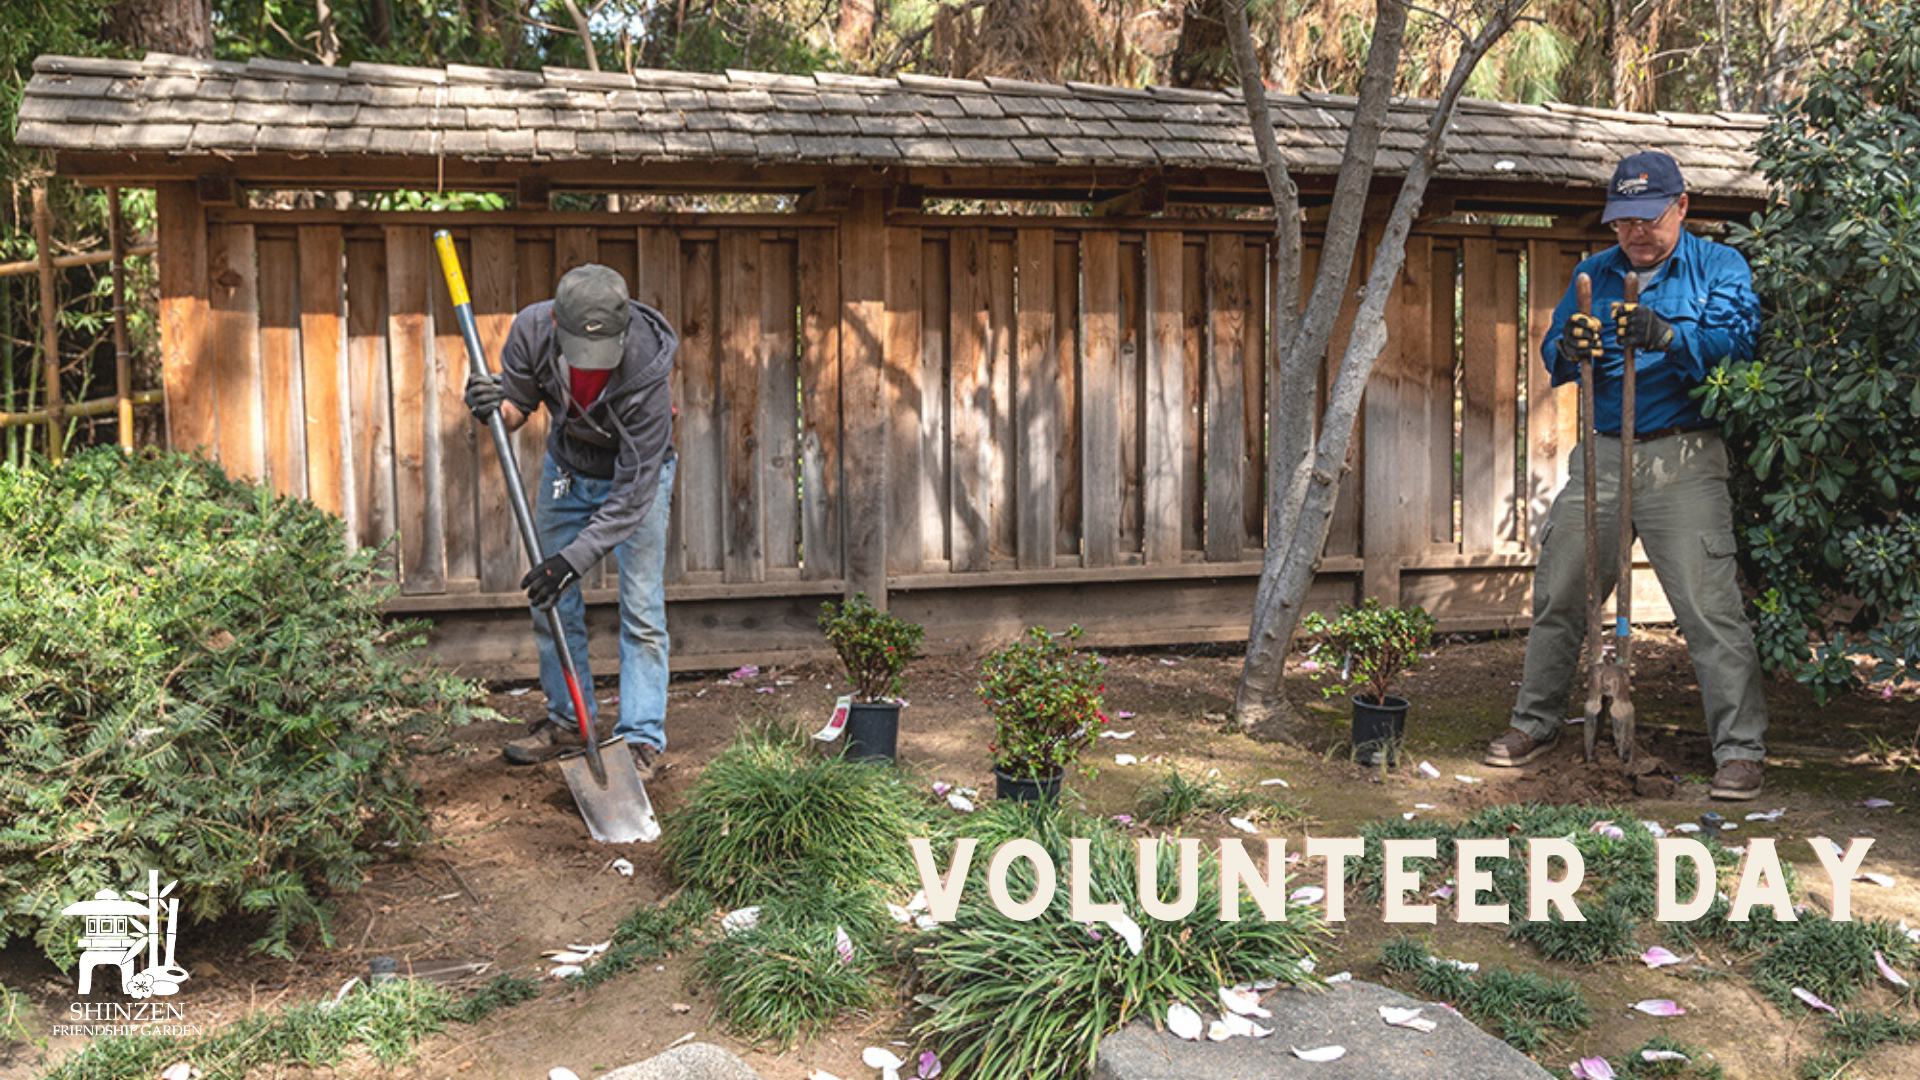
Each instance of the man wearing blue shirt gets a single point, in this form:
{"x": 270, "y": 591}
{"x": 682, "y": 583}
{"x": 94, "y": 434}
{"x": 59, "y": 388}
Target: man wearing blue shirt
{"x": 1697, "y": 311}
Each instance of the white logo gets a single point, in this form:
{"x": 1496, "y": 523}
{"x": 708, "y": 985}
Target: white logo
{"x": 1633, "y": 185}
{"x": 119, "y": 930}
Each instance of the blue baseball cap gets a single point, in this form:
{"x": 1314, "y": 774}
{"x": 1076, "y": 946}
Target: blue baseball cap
{"x": 1643, "y": 185}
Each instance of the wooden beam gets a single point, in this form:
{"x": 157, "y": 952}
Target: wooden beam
{"x": 826, "y": 198}
{"x": 1148, "y": 197}
{"x": 532, "y": 193}
{"x": 217, "y": 189}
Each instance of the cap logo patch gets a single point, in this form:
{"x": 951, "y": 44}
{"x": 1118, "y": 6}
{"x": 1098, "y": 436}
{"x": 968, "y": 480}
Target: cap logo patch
{"x": 1632, "y": 185}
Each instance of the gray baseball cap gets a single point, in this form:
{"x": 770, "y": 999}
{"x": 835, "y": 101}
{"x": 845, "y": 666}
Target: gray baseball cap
{"x": 591, "y": 313}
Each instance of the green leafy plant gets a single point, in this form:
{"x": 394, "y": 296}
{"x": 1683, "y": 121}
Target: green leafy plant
{"x": 1173, "y": 800}
{"x": 787, "y": 976}
{"x": 874, "y": 646}
{"x": 1826, "y": 415}
{"x": 651, "y": 933}
{"x": 1376, "y": 644}
{"x": 195, "y": 678}
{"x": 1044, "y": 697}
{"x": 1834, "y": 960}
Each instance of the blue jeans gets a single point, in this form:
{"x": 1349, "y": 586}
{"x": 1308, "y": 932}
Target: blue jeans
{"x": 561, "y": 510}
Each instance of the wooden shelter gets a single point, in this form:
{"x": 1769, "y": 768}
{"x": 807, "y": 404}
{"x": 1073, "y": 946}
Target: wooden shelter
{"x": 986, "y": 421}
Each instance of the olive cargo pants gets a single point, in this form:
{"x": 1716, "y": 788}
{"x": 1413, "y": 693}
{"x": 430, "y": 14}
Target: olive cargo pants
{"x": 1684, "y": 516}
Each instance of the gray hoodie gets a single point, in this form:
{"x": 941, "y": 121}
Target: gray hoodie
{"x": 626, "y": 435}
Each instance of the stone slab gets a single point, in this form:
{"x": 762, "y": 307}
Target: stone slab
{"x": 694, "y": 1061}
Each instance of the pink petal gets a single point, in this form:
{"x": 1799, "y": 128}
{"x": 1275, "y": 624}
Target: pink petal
{"x": 1444, "y": 892}
{"x": 941, "y": 787}
{"x": 1812, "y": 1002}
{"x": 747, "y": 672}
{"x": 1659, "y": 1007}
{"x": 1125, "y": 715}
{"x": 1658, "y": 957}
{"x": 1593, "y": 1068}
{"x": 1887, "y": 972}
{"x": 1875, "y": 803}
{"x": 929, "y": 1065}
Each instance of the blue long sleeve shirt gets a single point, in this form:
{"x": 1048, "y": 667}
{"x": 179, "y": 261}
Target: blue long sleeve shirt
{"x": 1705, "y": 290}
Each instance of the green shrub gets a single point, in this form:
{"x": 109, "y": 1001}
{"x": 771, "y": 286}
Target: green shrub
{"x": 874, "y": 646}
{"x": 194, "y": 678}
{"x": 1826, "y": 417}
{"x": 1018, "y": 1000}
{"x": 1375, "y": 644}
{"x": 1044, "y": 698}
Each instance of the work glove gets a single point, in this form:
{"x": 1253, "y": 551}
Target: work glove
{"x": 1638, "y": 327}
{"x": 484, "y": 395}
{"x": 545, "y": 583}
{"x": 1580, "y": 338}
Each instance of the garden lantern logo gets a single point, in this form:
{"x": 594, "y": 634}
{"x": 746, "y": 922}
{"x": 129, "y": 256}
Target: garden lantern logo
{"x": 117, "y": 932}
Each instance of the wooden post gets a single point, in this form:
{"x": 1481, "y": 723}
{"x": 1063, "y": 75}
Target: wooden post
{"x": 122, "y": 360}
{"x": 49, "y": 319}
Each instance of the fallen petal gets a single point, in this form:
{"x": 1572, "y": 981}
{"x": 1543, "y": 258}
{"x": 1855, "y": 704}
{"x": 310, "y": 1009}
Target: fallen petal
{"x": 1129, "y": 931}
{"x": 180, "y": 1070}
{"x": 1812, "y": 1001}
{"x": 1663, "y": 1055}
{"x": 940, "y": 789}
{"x": 1654, "y": 827}
{"x": 1123, "y": 819}
{"x": 592, "y": 950}
{"x": 1463, "y": 965}
{"x": 843, "y": 944}
{"x": 1218, "y": 1031}
{"x": 570, "y": 957}
{"x": 1424, "y": 806}
{"x": 1183, "y": 1022}
{"x": 1406, "y": 1018}
{"x": 1427, "y": 770}
{"x": 879, "y": 1057}
{"x": 687, "y": 1038}
{"x": 1243, "y": 1027}
{"x": 1123, "y": 715}
{"x": 926, "y": 922}
{"x": 1887, "y": 972}
{"x": 746, "y": 672}
{"x": 1686, "y": 827}
{"x": 566, "y": 971}
{"x": 1660, "y": 1007}
{"x": 1115, "y": 735}
{"x": 1658, "y": 957}
{"x": 1307, "y": 894}
{"x": 740, "y": 920}
{"x": 1321, "y": 1054}
{"x": 1274, "y": 782}
{"x": 1342, "y": 977}
{"x": 1243, "y": 824}
{"x": 1243, "y": 1002}
{"x": 929, "y": 1065}
{"x": 1444, "y": 892}
{"x": 558, "y": 1072}
{"x": 1883, "y": 880}
{"x": 623, "y": 867}
{"x": 1125, "y": 759}
{"x": 1593, "y": 1068}
{"x": 821, "y": 1074}
{"x": 1770, "y": 815}
{"x": 960, "y": 802}
{"x": 1410, "y": 815}
{"x": 1875, "y": 803}
{"x": 1468, "y": 779}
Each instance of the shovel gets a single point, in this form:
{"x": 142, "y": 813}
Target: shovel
{"x": 1609, "y": 682}
{"x": 610, "y": 795}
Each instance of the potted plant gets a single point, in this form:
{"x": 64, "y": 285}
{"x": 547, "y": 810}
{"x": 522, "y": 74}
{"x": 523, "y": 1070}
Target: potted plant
{"x": 1375, "y": 644}
{"x": 874, "y": 647}
{"x": 1045, "y": 701}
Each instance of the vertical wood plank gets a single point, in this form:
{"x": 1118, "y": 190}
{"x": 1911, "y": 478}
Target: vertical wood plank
{"x": 903, "y": 358}
{"x": 1162, "y": 415}
{"x": 1066, "y": 332}
{"x": 1037, "y": 402}
{"x": 502, "y": 562}
{"x": 1442, "y": 399}
{"x": 741, "y": 362}
{"x": 935, "y": 453}
{"x": 1253, "y": 401}
{"x": 1195, "y": 327}
{"x": 1415, "y": 419}
{"x": 1131, "y": 386}
{"x": 1548, "y": 274}
{"x": 1479, "y": 491}
{"x": 283, "y": 432}
{"x": 656, "y": 283}
{"x": 699, "y": 473}
{"x": 455, "y": 431}
{"x": 1100, "y": 399}
{"x": 779, "y": 406}
{"x": 186, "y": 367}
{"x": 820, "y": 446}
{"x": 416, "y": 443}
{"x": 321, "y": 333}
{"x": 370, "y": 401}
{"x": 574, "y": 246}
{"x": 863, "y": 372}
{"x": 1393, "y": 496}
{"x": 1506, "y": 400}
{"x": 234, "y": 339}
{"x": 1002, "y": 325}
{"x": 971, "y": 406}
{"x": 1226, "y": 421}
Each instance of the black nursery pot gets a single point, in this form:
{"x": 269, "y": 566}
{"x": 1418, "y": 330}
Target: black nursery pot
{"x": 1378, "y": 728}
{"x": 1018, "y": 789}
{"x": 873, "y": 731}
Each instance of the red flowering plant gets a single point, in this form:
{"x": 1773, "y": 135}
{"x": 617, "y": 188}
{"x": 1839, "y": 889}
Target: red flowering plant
{"x": 874, "y": 646}
{"x": 1045, "y": 701}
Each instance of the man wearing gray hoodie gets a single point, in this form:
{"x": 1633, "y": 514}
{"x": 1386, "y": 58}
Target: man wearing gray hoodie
{"x": 599, "y": 363}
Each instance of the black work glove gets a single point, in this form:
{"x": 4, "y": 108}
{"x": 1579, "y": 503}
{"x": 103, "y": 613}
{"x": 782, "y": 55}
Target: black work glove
{"x": 484, "y": 395}
{"x": 1580, "y": 338}
{"x": 1638, "y": 327}
{"x": 545, "y": 583}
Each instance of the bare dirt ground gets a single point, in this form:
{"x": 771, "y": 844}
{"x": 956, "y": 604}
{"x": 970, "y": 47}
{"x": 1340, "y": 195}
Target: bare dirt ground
{"x": 511, "y": 871}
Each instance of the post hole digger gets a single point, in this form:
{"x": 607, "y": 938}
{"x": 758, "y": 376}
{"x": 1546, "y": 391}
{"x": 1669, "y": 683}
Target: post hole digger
{"x": 1609, "y": 682}
{"x": 607, "y": 788}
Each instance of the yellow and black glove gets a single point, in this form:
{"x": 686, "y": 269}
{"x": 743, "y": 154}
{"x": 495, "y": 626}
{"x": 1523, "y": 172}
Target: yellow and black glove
{"x": 1580, "y": 338}
{"x": 1637, "y": 327}
{"x": 545, "y": 583}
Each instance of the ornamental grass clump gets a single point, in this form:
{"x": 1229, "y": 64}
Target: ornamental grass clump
{"x": 1032, "y": 1000}
{"x": 874, "y": 646}
{"x": 195, "y": 678}
{"x": 1044, "y": 697}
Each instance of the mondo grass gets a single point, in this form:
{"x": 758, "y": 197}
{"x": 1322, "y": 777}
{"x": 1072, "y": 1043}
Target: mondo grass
{"x": 786, "y": 978}
{"x": 765, "y": 812}
{"x": 651, "y": 933}
{"x": 1173, "y": 800}
{"x": 1031, "y": 1000}
{"x": 1523, "y": 1007}
{"x": 1833, "y": 960}
{"x": 1636, "y": 1067}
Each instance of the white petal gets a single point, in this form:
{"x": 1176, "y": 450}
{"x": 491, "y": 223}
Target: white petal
{"x": 821, "y": 1074}
{"x": 1243, "y": 1002}
{"x": 1274, "y": 782}
{"x": 900, "y": 915}
{"x": 1686, "y": 827}
{"x": 740, "y": 920}
{"x": 1424, "y": 806}
{"x": 926, "y": 922}
{"x": 1770, "y": 815}
{"x": 1659, "y": 1007}
{"x": 1342, "y": 977}
{"x": 1307, "y": 894}
{"x": 1427, "y": 770}
{"x": 1406, "y": 1018}
{"x": 179, "y": 1070}
{"x": 519, "y": 691}
{"x": 1116, "y": 735}
{"x": 1183, "y": 1021}
{"x": 1654, "y": 827}
{"x": 1240, "y": 1025}
{"x": 1812, "y": 1001}
{"x": 1663, "y": 1055}
{"x": 1409, "y": 815}
{"x": 879, "y": 1057}
{"x": 1218, "y": 1031}
{"x": 1124, "y": 925}
{"x": 1887, "y": 972}
{"x": 918, "y": 902}
{"x": 1125, "y": 759}
{"x": 1321, "y": 1054}
{"x": 592, "y": 950}
{"x": 623, "y": 867}
{"x": 570, "y": 957}
{"x": 566, "y": 971}
{"x": 1468, "y": 779}
{"x": 1882, "y": 880}
{"x": 960, "y": 802}
{"x": 561, "y": 1072}
{"x": 1243, "y": 824}
{"x": 1875, "y": 803}
{"x": 1463, "y": 965}
{"x": 843, "y": 944}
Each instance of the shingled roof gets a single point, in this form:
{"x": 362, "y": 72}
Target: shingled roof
{"x": 170, "y": 107}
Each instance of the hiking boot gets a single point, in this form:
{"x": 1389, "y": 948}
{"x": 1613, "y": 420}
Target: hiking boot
{"x": 544, "y": 741}
{"x": 646, "y": 760}
{"x": 1514, "y": 749}
{"x": 1738, "y": 779}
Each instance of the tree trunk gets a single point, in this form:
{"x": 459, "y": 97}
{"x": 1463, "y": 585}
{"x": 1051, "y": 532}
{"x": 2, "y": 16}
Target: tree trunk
{"x": 854, "y": 31}
{"x": 184, "y": 27}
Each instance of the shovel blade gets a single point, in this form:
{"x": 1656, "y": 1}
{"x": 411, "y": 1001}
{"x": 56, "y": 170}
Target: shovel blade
{"x": 618, "y": 811}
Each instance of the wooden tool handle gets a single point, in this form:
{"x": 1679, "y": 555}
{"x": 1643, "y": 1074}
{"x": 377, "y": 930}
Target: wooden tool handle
{"x": 1583, "y": 291}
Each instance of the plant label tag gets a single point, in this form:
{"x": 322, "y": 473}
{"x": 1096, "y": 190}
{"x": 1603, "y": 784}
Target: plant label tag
{"x": 837, "y": 722}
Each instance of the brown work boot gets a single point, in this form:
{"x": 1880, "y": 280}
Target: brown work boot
{"x": 1514, "y": 749}
{"x": 1738, "y": 779}
{"x": 646, "y": 760}
{"x": 544, "y": 741}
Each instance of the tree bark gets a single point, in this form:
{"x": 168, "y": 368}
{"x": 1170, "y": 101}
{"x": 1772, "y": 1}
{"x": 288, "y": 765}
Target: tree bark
{"x": 184, "y": 27}
{"x": 854, "y": 31}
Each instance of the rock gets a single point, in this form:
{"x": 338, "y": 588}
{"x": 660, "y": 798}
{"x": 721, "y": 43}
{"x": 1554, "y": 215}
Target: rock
{"x": 1347, "y": 1015}
{"x": 694, "y": 1061}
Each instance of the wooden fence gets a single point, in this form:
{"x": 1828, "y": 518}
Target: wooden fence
{"x": 995, "y": 422}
